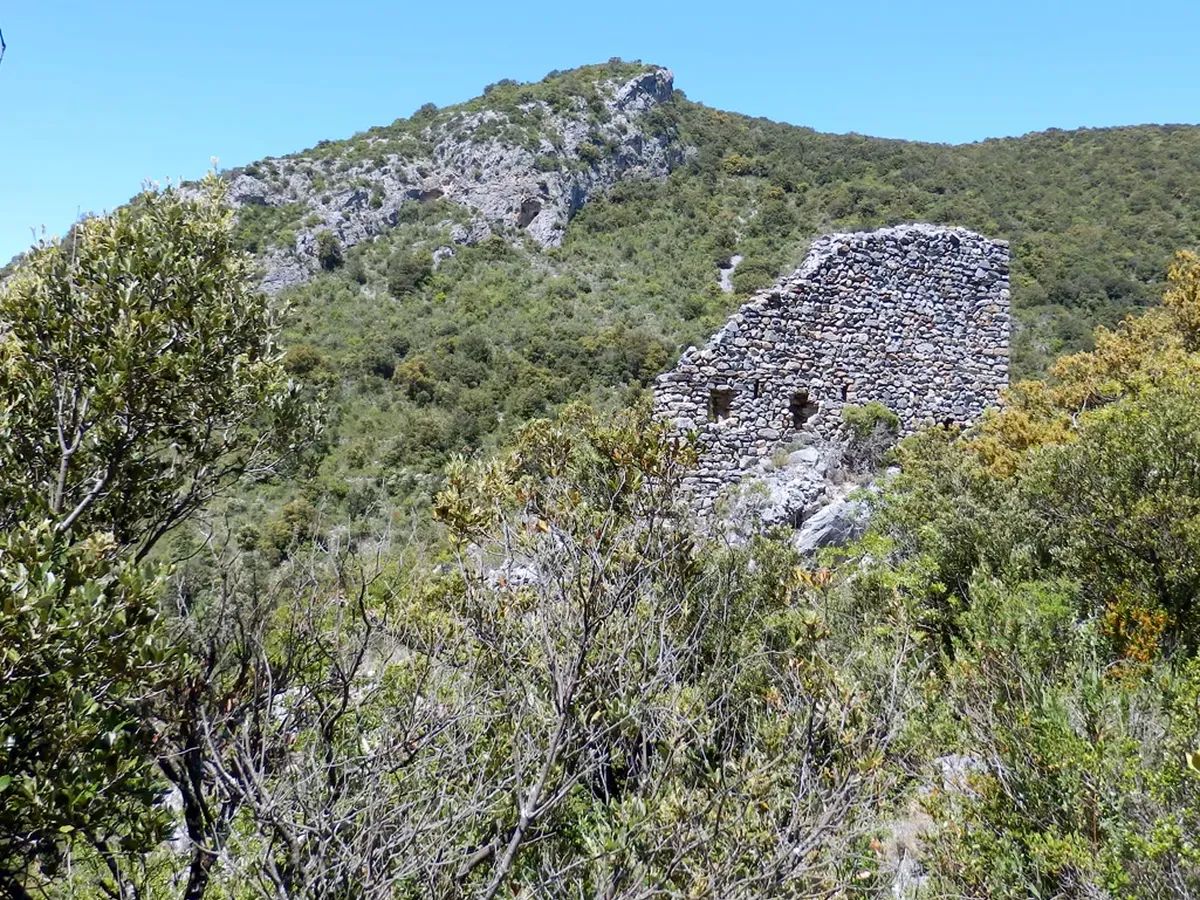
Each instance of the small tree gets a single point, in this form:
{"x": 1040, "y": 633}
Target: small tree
{"x": 329, "y": 251}
{"x": 408, "y": 271}
{"x": 138, "y": 377}
{"x": 138, "y": 373}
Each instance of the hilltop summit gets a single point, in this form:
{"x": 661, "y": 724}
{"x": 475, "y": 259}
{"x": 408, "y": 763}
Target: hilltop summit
{"x": 521, "y": 158}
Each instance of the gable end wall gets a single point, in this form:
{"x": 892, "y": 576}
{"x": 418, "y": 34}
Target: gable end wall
{"x": 915, "y": 317}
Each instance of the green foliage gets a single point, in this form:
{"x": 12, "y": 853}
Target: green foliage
{"x": 137, "y": 372}
{"x": 864, "y": 421}
{"x": 638, "y": 264}
{"x": 1053, "y": 553}
{"x": 736, "y": 164}
{"x": 82, "y": 655}
{"x": 570, "y": 688}
{"x": 1086, "y": 784}
{"x": 1120, "y": 505}
{"x": 259, "y": 228}
{"x": 653, "y": 678}
{"x": 1035, "y": 191}
{"x": 423, "y": 364}
{"x": 1044, "y": 564}
{"x": 294, "y": 524}
{"x": 873, "y": 428}
{"x": 138, "y": 378}
{"x": 560, "y": 90}
{"x": 1086, "y": 212}
{"x": 407, "y": 271}
{"x": 329, "y": 251}
{"x": 302, "y": 359}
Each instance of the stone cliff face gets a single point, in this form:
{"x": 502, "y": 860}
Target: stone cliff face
{"x": 506, "y": 175}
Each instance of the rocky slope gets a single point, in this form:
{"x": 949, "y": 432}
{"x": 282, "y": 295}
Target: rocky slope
{"x": 427, "y": 348}
{"x": 518, "y": 159}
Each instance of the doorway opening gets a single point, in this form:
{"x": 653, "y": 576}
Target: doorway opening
{"x": 720, "y": 404}
{"x": 802, "y": 409}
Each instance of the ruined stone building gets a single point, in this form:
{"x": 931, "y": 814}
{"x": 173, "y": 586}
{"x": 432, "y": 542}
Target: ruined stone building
{"x": 915, "y": 317}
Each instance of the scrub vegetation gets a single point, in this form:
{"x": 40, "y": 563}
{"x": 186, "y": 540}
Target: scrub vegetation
{"x": 394, "y": 593}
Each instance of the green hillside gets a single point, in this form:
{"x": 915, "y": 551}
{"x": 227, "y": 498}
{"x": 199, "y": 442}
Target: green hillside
{"x": 425, "y": 363}
{"x": 259, "y": 639}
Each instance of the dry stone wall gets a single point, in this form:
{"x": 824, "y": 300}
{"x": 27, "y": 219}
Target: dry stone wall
{"x": 915, "y": 317}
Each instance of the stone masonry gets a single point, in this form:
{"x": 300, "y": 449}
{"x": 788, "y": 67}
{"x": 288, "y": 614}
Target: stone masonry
{"x": 915, "y": 317}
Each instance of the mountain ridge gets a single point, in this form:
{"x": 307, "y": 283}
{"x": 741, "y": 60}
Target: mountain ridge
{"x": 441, "y": 333}
{"x": 437, "y": 330}
{"x": 483, "y": 160}
{"x": 996, "y": 186}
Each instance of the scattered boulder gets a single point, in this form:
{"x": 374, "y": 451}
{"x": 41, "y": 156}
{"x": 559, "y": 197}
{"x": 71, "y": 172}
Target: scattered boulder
{"x": 839, "y": 522}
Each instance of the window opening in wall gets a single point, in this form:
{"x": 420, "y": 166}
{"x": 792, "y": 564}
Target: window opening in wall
{"x": 802, "y": 408}
{"x": 845, "y": 391}
{"x": 757, "y": 389}
{"x": 720, "y": 404}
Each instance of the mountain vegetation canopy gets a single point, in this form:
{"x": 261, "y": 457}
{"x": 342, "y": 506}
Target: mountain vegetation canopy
{"x": 430, "y": 361}
{"x": 266, "y": 630}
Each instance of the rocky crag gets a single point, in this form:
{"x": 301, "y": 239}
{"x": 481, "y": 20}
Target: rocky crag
{"x": 525, "y": 162}
{"x": 914, "y": 317}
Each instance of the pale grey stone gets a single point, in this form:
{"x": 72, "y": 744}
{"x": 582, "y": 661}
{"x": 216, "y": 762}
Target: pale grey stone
{"x": 926, "y": 337}
{"x": 837, "y": 523}
{"x": 504, "y": 185}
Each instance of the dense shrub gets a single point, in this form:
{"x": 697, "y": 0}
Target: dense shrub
{"x": 293, "y": 525}
{"x": 871, "y": 429}
{"x": 1053, "y": 552}
{"x": 302, "y": 359}
{"x": 407, "y": 271}
{"x": 329, "y": 251}
{"x": 138, "y": 381}
{"x": 259, "y": 228}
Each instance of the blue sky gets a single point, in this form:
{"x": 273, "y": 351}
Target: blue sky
{"x": 96, "y": 97}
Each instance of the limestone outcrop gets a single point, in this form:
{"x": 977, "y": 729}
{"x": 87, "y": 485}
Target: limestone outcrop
{"x": 504, "y": 173}
{"x": 915, "y": 317}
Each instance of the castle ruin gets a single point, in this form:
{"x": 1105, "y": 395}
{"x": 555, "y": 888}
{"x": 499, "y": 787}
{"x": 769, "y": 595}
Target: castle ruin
{"x": 915, "y": 317}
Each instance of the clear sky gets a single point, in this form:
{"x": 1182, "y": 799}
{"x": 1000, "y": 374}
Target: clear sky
{"x": 98, "y": 96}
